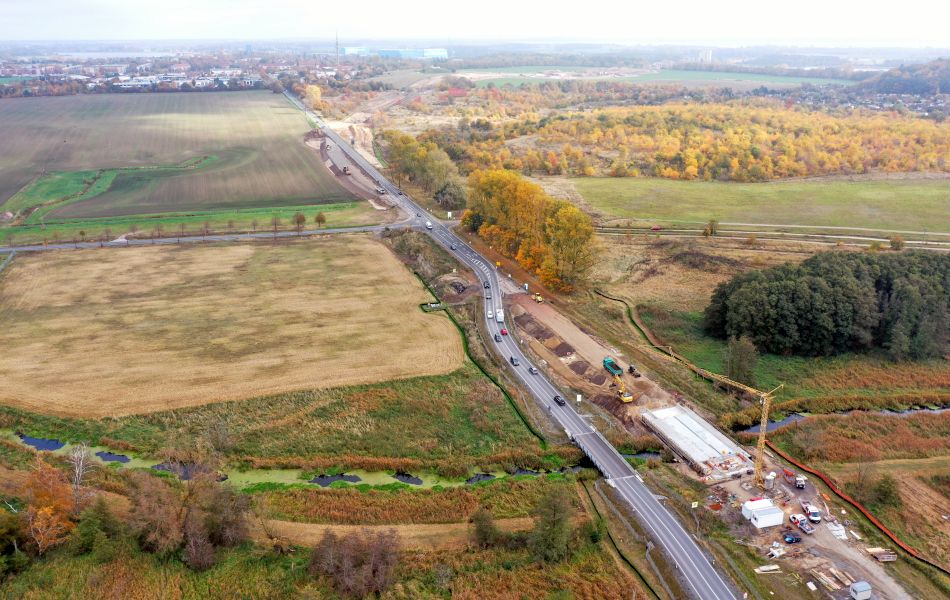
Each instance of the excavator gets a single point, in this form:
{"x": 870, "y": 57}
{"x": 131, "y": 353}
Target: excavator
{"x": 614, "y": 369}
{"x": 622, "y": 393}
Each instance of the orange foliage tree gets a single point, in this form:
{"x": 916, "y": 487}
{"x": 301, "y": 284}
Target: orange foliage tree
{"x": 49, "y": 499}
{"x": 551, "y": 238}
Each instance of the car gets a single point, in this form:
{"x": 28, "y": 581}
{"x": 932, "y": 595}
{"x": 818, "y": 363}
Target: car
{"x": 533, "y": 370}
{"x": 559, "y": 401}
{"x": 790, "y": 537}
{"x": 497, "y": 338}
{"x": 514, "y": 361}
{"x": 418, "y": 214}
{"x": 491, "y": 314}
{"x": 451, "y": 246}
{"x": 656, "y": 228}
{"x": 504, "y": 331}
{"x": 487, "y": 285}
{"x": 798, "y": 518}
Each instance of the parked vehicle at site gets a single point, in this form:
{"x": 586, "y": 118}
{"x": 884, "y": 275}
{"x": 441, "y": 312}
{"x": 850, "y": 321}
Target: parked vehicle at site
{"x": 790, "y": 537}
{"x": 802, "y": 522}
{"x": 814, "y": 515}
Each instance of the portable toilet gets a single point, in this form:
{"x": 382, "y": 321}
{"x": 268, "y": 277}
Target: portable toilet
{"x": 860, "y": 590}
{"x": 770, "y": 480}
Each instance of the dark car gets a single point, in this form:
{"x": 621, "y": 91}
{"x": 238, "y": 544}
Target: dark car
{"x": 497, "y": 338}
{"x": 791, "y": 537}
{"x": 514, "y": 361}
{"x": 487, "y": 285}
{"x": 559, "y": 401}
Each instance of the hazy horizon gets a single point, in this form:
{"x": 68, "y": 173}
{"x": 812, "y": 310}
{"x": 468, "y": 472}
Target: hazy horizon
{"x": 810, "y": 24}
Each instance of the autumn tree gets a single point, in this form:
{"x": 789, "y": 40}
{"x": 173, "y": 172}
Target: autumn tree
{"x": 299, "y": 221}
{"x": 551, "y": 536}
{"x": 358, "y": 564}
{"x": 517, "y": 218}
{"x": 320, "y": 219}
{"x": 156, "y": 514}
{"x": 484, "y": 528}
{"x": 49, "y": 505}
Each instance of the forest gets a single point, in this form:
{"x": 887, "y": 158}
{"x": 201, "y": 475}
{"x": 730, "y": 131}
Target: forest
{"x": 838, "y": 302}
{"x": 548, "y": 237}
{"x": 746, "y": 140}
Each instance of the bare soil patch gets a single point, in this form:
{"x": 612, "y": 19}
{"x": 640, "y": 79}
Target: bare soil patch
{"x": 98, "y": 333}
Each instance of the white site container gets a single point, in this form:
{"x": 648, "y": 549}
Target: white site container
{"x": 768, "y": 517}
{"x": 750, "y": 506}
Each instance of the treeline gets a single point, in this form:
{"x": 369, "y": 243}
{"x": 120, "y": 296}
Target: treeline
{"x": 426, "y": 165}
{"x": 929, "y": 78}
{"x": 748, "y": 140}
{"x": 840, "y": 302}
{"x": 551, "y": 238}
{"x": 189, "y": 520}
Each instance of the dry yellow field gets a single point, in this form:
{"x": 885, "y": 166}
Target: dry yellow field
{"x": 96, "y": 333}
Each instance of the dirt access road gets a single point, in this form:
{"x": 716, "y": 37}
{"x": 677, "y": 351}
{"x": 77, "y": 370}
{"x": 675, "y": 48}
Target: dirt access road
{"x": 584, "y": 364}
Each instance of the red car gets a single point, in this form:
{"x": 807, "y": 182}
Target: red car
{"x": 504, "y": 332}
{"x": 656, "y": 228}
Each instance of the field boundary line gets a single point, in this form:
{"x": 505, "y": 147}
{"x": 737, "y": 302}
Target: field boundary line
{"x": 7, "y": 260}
{"x": 831, "y": 485}
{"x": 468, "y": 353}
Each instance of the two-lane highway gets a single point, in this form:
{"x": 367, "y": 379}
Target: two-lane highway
{"x": 694, "y": 567}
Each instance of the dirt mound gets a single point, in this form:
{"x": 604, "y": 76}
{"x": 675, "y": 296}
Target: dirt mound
{"x": 579, "y": 366}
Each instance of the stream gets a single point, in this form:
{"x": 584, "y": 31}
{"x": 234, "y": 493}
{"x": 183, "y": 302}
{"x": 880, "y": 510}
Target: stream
{"x": 796, "y": 417}
{"x": 243, "y": 478}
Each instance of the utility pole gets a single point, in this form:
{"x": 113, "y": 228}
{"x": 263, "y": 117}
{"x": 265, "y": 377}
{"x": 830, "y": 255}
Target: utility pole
{"x": 338, "y": 49}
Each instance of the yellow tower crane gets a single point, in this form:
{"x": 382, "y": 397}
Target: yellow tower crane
{"x": 766, "y": 400}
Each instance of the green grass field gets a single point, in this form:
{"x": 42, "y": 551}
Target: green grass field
{"x": 459, "y": 416}
{"x": 256, "y": 139}
{"x": 913, "y": 205}
{"x": 688, "y": 78}
{"x": 845, "y": 375}
{"x": 342, "y": 214}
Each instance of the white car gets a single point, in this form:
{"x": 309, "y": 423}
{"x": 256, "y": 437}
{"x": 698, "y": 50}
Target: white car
{"x": 798, "y": 518}
{"x": 490, "y": 314}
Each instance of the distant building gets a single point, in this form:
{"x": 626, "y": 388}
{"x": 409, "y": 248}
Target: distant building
{"x": 355, "y": 51}
{"x": 705, "y": 56}
{"x": 417, "y": 53}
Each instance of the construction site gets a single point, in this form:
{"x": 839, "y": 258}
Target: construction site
{"x": 791, "y": 523}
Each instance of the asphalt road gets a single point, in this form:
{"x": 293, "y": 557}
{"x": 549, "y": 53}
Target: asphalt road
{"x": 695, "y": 568}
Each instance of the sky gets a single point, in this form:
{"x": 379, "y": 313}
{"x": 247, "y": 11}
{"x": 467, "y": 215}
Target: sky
{"x": 836, "y": 23}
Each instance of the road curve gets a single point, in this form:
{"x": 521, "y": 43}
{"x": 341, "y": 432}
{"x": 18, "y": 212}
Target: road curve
{"x": 694, "y": 566}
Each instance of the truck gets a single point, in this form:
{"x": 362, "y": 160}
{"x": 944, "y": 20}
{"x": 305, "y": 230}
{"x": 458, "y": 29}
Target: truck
{"x": 802, "y": 522}
{"x": 500, "y": 315}
{"x": 612, "y": 367}
{"x": 814, "y": 515}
